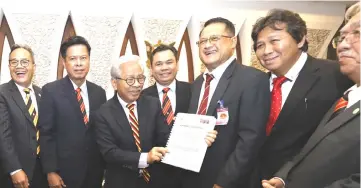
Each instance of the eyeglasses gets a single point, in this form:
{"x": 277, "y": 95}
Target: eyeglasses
{"x": 131, "y": 81}
{"x": 350, "y": 38}
{"x": 212, "y": 39}
{"x": 23, "y": 62}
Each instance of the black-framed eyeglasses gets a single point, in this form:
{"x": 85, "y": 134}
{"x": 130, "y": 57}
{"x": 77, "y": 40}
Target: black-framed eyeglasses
{"x": 212, "y": 39}
{"x": 131, "y": 81}
{"x": 350, "y": 37}
{"x": 23, "y": 62}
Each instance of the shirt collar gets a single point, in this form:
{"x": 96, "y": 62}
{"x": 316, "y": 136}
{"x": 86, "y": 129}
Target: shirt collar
{"x": 171, "y": 86}
{"x": 295, "y": 69}
{"x": 354, "y": 92}
{"x": 21, "y": 88}
{"x": 218, "y": 72}
{"x": 83, "y": 87}
{"x": 124, "y": 104}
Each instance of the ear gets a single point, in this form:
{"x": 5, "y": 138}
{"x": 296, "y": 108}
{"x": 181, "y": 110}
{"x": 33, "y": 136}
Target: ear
{"x": 234, "y": 41}
{"x": 114, "y": 83}
{"x": 302, "y": 42}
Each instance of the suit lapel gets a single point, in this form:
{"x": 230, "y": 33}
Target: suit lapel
{"x": 196, "y": 90}
{"x": 304, "y": 82}
{"x": 92, "y": 98}
{"x": 69, "y": 92}
{"x": 180, "y": 100}
{"x": 221, "y": 88}
{"x": 121, "y": 120}
{"x": 15, "y": 93}
{"x": 142, "y": 120}
{"x": 324, "y": 130}
{"x": 154, "y": 91}
{"x": 37, "y": 92}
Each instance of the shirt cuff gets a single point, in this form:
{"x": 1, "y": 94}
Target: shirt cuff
{"x": 284, "y": 184}
{"x": 143, "y": 160}
{"x": 12, "y": 173}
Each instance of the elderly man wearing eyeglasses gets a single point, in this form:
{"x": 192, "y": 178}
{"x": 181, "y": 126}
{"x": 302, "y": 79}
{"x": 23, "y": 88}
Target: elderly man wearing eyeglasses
{"x": 331, "y": 157}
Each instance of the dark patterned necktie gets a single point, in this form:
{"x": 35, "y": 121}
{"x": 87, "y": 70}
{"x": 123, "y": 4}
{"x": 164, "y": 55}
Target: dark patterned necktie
{"x": 82, "y": 106}
{"x": 167, "y": 107}
{"x": 135, "y": 129}
{"x": 203, "y": 106}
{"x": 34, "y": 116}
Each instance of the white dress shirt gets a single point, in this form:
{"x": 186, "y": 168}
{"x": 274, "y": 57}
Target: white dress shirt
{"x": 171, "y": 94}
{"x": 84, "y": 95}
{"x": 34, "y": 102}
{"x": 143, "y": 156}
{"x": 217, "y": 74}
{"x": 354, "y": 95}
{"x": 291, "y": 76}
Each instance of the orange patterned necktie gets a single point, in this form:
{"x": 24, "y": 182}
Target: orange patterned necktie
{"x": 135, "y": 128}
{"x": 82, "y": 106}
{"x": 167, "y": 107}
{"x": 340, "y": 106}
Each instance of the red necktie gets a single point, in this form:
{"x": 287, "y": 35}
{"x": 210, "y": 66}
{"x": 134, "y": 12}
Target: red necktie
{"x": 276, "y": 102}
{"x": 167, "y": 106}
{"x": 340, "y": 106}
{"x": 135, "y": 128}
{"x": 203, "y": 106}
{"x": 82, "y": 106}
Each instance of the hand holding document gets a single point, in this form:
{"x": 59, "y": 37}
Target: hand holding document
{"x": 186, "y": 145}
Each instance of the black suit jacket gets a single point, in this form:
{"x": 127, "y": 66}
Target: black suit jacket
{"x": 229, "y": 161}
{"x": 17, "y": 132}
{"x": 331, "y": 157}
{"x": 67, "y": 145}
{"x": 183, "y": 95}
{"x": 317, "y": 86}
{"x": 116, "y": 141}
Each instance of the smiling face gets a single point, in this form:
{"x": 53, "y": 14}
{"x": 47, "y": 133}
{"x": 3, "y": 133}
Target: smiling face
{"x": 277, "y": 50}
{"x": 126, "y": 92}
{"x": 77, "y": 63}
{"x": 164, "y": 67}
{"x": 218, "y": 51}
{"x": 22, "y": 67}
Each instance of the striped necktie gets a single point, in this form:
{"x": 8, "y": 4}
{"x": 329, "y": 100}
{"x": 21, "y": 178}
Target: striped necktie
{"x": 203, "y": 106}
{"x": 167, "y": 106}
{"x": 82, "y": 106}
{"x": 34, "y": 116}
{"x": 135, "y": 128}
{"x": 340, "y": 106}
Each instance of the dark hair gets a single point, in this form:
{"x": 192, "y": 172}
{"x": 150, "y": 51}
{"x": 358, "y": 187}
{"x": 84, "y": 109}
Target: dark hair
{"x": 22, "y": 46}
{"x": 295, "y": 25}
{"x": 162, "y": 48}
{"x": 229, "y": 25}
{"x": 74, "y": 40}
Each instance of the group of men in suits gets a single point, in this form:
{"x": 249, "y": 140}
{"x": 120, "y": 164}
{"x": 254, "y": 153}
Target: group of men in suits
{"x": 46, "y": 135}
{"x": 297, "y": 126}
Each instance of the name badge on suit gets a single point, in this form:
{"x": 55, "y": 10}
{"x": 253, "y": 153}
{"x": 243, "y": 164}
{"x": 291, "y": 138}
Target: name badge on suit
{"x": 222, "y": 114}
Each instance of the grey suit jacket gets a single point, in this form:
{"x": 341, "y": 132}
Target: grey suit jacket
{"x": 331, "y": 157}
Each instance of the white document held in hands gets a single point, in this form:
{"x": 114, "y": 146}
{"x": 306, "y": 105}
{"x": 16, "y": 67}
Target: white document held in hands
{"x": 186, "y": 144}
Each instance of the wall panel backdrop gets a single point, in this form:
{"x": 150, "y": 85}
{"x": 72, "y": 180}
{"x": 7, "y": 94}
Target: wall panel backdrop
{"x": 125, "y": 30}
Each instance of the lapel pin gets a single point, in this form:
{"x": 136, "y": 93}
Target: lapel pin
{"x": 356, "y": 111}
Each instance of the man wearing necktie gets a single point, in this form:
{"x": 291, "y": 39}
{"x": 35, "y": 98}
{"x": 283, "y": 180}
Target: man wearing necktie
{"x": 131, "y": 129}
{"x": 70, "y": 155}
{"x": 302, "y": 87}
{"x": 331, "y": 156}
{"x": 174, "y": 97}
{"x": 241, "y": 93}
{"x": 19, "y": 135}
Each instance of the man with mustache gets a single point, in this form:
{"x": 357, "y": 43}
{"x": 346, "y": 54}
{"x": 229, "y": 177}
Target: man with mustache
{"x": 19, "y": 147}
{"x": 302, "y": 87}
{"x": 174, "y": 97}
{"x": 69, "y": 153}
{"x": 131, "y": 130}
{"x": 331, "y": 157}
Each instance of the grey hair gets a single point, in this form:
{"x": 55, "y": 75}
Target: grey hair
{"x": 352, "y": 11}
{"x": 116, "y": 66}
{"x": 25, "y": 47}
